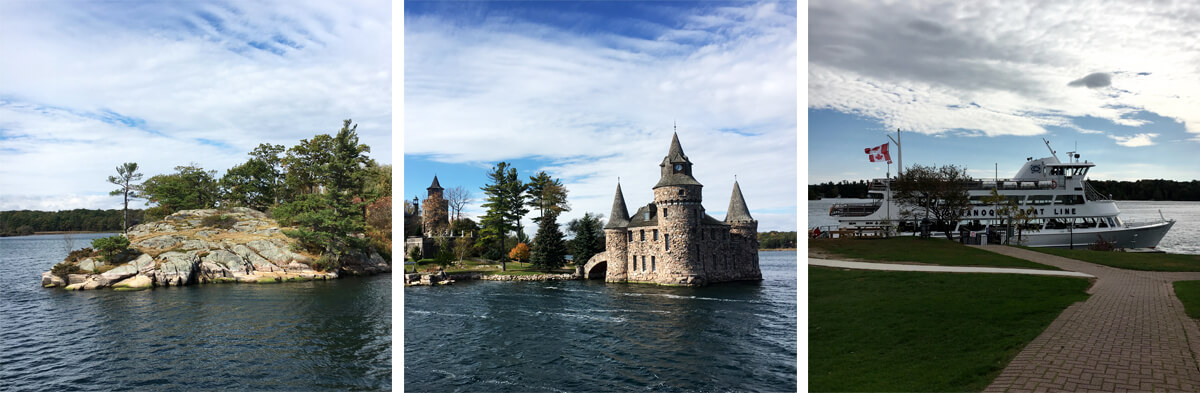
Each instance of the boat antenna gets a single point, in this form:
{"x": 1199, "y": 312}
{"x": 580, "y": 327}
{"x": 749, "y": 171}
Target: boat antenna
{"x": 1051, "y": 149}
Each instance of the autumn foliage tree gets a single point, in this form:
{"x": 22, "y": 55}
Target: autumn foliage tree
{"x": 519, "y": 253}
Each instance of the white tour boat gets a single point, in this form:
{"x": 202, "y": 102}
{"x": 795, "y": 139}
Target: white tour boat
{"x": 1069, "y": 212}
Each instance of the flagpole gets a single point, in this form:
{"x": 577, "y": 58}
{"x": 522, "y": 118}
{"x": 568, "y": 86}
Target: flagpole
{"x": 900, "y": 152}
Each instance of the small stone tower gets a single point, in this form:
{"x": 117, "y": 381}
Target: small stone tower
{"x": 616, "y": 239}
{"x": 743, "y": 231}
{"x": 435, "y": 218}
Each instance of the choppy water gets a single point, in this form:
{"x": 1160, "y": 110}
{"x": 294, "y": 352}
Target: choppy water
{"x": 1183, "y": 238}
{"x": 332, "y": 335}
{"x": 566, "y": 336}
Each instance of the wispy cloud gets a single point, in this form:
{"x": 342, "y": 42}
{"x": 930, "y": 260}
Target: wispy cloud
{"x": 599, "y": 104}
{"x": 935, "y": 66}
{"x": 1137, "y": 140}
{"x": 87, "y": 86}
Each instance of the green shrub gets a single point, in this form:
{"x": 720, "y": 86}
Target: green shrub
{"x": 62, "y": 269}
{"x": 109, "y": 247}
{"x": 79, "y": 254}
{"x": 325, "y": 263}
{"x": 218, "y": 221}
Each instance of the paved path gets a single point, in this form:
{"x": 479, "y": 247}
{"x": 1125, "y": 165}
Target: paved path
{"x": 934, "y": 268}
{"x": 1130, "y": 335}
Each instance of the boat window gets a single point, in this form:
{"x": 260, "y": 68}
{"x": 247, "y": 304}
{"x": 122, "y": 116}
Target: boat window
{"x": 1015, "y": 199}
{"x": 976, "y": 200}
{"x": 1054, "y": 223}
{"x": 1110, "y": 222}
{"x": 1040, "y": 199}
{"x": 1069, "y": 200}
{"x": 1103, "y": 223}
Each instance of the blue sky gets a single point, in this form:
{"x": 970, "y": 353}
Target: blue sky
{"x": 589, "y": 92}
{"x": 977, "y": 84}
{"x": 86, "y": 86}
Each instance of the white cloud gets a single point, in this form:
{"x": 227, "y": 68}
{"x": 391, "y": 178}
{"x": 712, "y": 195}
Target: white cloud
{"x": 1136, "y": 140}
{"x": 1004, "y": 68}
{"x": 87, "y": 86}
{"x": 600, "y": 106}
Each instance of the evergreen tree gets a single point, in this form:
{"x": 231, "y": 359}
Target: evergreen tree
{"x": 127, "y": 174}
{"x": 505, "y": 204}
{"x": 589, "y": 237}
{"x": 190, "y": 188}
{"x": 547, "y": 195}
{"x": 549, "y": 249}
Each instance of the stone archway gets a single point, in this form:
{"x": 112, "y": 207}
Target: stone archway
{"x": 597, "y": 271}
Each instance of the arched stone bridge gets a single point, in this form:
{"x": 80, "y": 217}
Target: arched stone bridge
{"x": 596, "y": 267}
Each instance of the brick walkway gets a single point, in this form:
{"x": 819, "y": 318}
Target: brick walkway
{"x": 1130, "y": 335}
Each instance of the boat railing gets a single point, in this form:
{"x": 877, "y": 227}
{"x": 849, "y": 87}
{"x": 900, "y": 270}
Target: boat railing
{"x": 1092, "y": 195}
{"x": 1004, "y": 184}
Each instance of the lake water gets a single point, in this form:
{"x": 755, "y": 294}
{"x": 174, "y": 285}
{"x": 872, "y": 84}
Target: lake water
{"x": 565, "y": 336}
{"x": 333, "y": 335}
{"x": 1183, "y": 238}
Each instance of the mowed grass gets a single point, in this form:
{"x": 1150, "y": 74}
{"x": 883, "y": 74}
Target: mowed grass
{"x": 1158, "y": 262}
{"x": 936, "y": 251}
{"x": 493, "y": 267}
{"x": 1188, "y": 292}
{"x": 879, "y": 331}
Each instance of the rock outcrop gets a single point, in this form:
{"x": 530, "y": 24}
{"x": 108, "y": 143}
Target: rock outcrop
{"x": 181, "y": 250}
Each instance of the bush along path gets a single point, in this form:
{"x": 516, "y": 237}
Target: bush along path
{"x": 200, "y": 246}
{"x": 1131, "y": 334}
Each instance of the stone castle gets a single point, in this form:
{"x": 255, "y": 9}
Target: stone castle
{"x": 671, "y": 241}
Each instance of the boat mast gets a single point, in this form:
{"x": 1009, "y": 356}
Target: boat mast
{"x": 1051, "y": 149}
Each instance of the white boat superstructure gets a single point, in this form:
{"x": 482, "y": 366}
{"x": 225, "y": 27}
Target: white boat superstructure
{"x": 1068, "y": 212}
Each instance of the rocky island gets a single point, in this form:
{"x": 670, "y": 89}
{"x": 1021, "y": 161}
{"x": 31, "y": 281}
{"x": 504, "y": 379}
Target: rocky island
{"x": 205, "y": 246}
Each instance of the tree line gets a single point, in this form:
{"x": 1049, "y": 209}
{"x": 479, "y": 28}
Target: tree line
{"x": 842, "y": 189}
{"x": 26, "y": 222}
{"x": 325, "y": 187}
{"x": 500, "y": 234}
{"x": 776, "y": 240}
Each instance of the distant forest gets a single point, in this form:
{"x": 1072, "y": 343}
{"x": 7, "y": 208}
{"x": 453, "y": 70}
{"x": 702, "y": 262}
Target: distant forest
{"x": 26, "y": 222}
{"x": 1141, "y": 190}
{"x": 776, "y": 240}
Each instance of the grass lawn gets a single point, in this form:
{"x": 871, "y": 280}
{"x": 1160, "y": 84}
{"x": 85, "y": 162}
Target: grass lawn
{"x": 1130, "y": 260}
{"x": 1188, "y": 292}
{"x": 493, "y": 267}
{"x": 937, "y": 251}
{"x": 924, "y": 332}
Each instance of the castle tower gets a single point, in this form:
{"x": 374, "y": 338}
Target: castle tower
{"x": 616, "y": 243}
{"x": 677, "y": 197}
{"x": 743, "y": 230}
{"x": 435, "y": 218}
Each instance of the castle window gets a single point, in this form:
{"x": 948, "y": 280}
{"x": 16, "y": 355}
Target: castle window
{"x": 630, "y": 235}
{"x": 655, "y": 235}
{"x": 667, "y": 241}
{"x": 664, "y": 212}
{"x": 651, "y": 263}
{"x": 681, "y": 193}
{"x": 643, "y": 263}
{"x": 643, "y": 235}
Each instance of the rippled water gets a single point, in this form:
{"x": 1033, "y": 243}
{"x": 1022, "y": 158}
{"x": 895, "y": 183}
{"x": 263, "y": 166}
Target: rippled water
{"x": 565, "y": 336}
{"x": 332, "y": 335}
{"x": 1183, "y": 238}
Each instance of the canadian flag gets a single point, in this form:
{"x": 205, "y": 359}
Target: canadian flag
{"x": 879, "y": 153}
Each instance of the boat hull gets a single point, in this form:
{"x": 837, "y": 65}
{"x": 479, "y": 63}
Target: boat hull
{"x": 1143, "y": 236}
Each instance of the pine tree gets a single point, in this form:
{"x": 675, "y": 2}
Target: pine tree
{"x": 589, "y": 237}
{"x": 127, "y": 174}
{"x": 548, "y": 246}
{"x": 505, "y": 205}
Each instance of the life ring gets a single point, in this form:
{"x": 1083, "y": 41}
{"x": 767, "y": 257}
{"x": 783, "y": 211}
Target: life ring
{"x": 1054, "y": 183}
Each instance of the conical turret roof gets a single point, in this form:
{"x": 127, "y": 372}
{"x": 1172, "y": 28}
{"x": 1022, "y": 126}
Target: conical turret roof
{"x": 676, "y": 152}
{"x": 672, "y": 176}
{"x": 435, "y": 185}
{"x": 620, "y": 215}
{"x": 737, "y": 206}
